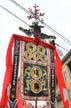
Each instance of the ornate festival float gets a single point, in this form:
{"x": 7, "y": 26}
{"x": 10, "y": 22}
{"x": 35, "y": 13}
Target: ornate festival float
{"x": 32, "y": 66}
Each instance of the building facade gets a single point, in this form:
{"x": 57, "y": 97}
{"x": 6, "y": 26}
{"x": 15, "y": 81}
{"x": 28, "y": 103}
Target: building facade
{"x": 67, "y": 73}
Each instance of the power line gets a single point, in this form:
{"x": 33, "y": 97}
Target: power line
{"x": 57, "y": 33}
{"x": 14, "y": 15}
{"x": 21, "y": 7}
{"x": 61, "y": 47}
{"x": 46, "y": 25}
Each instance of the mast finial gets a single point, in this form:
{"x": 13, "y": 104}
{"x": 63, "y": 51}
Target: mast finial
{"x": 36, "y": 14}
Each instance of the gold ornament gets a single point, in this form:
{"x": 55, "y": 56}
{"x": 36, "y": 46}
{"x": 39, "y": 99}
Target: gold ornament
{"x": 41, "y": 50}
{"x": 36, "y": 86}
{"x": 28, "y": 55}
{"x": 31, "y": 47}
{"x": 36, "y": 72}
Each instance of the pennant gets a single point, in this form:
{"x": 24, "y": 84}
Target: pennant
{"x": 61, "y": 83}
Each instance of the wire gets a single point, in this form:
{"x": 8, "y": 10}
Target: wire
{"x": 14, "y": 15}
{"x": 57, "y": 33}
{"x": 46, "y": 25}
{"x": 21, "y": 7}
{"x": 61, "y": 47}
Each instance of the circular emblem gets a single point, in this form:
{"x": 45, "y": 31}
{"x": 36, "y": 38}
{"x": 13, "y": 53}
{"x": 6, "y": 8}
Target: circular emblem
{"x": 36, "y": 86}
{"x": 41, "y": 50}
{"x": 31, "y": 47}
{"x": 28, "y": 55}
{"x": 35, "y": 56}
{"x": 43, "y": 58}
{"x": 36, "y": 72}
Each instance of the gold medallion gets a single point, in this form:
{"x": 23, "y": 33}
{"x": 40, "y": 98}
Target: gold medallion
{"x": 43, "y": 58}
{"x": 28, "y": 55}
{"x": 36, "y": 72}
{"x": 31, "y": 47}
{"x": 41, "y": 50}
{"x": 35, "y": 56}
{"x": 36, "y": 86}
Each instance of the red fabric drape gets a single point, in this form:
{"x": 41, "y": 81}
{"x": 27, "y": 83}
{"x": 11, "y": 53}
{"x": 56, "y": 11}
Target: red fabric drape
{"x": 21, "y": 102}
{"x": 8, "y": 73}
{"x": 59, "y": 75}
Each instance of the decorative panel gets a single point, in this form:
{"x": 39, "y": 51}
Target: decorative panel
{"x": 34, "y": 71}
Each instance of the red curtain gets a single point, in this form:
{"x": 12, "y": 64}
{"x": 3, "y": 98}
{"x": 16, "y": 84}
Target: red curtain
{"x": 59, "y": 75}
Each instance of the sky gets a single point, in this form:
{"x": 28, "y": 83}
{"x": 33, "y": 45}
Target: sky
{"x": 57, "y": 15}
